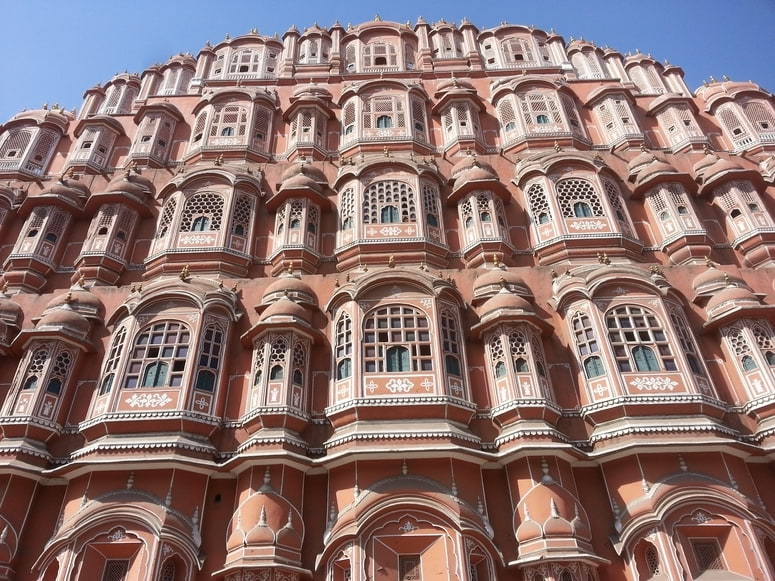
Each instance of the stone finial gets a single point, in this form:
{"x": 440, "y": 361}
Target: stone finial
{"x": 709, "y": 263}
{"x": 184, "y": 274}
{"x": 336, "y": 282}
{"x": 386, "y": 151}
{"x": 254, "y": 31}
{"x": 227, "y": 37}
{"x": 713, "y": 79}
{"x": 553, "y": 509}
{"x": 557, "y": 147}
{"x": 377, "y": 18}
{"x": 655, "y": 270}
{"x": 603, "y": 258}
{"x": 404, "y": 468}
{"x": 81, "y": 282}
{"x": 262, "y": 517}
{"x": 68, "y": 298}
{"x": 219, "y": 160}
{"x": 554, "y": 274}
{"x": 130, "y": 482}
{"x": 392, "y": 261}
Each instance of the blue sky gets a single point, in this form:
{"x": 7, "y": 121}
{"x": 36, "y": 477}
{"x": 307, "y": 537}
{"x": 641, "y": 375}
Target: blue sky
{"x": 56, "y": 50}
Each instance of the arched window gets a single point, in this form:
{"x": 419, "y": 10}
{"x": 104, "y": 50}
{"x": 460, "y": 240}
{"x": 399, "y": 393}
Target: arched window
{"x": 167, "y": 216}
{"x": 200, "y": 224}
{"x": 688, "y": 345}
{"x": 539, "y": 204}
{"x": 209, "y": 358}
{"x": 638, "y": 340}
{"x": 587, "y": 346}
{"x": 278, "y": 358}
{"x": 159, "y": 356}
{"x": 450, "y": 343}
{"x": 384, "y": 122}
{"x": 114, "y": 355}
{"x": 404, "y": 332}
{"x": 500, "y": 369}
{"x": 229, "y": 121}
{"x": 35, "y": 368}
{"x": 347, "y": 209}
{"x": 389, "y": 199}
{"x": 276, "y": 373}
{"x": 578, "y": 195}
{"x": 430, "y": 203}
{"x": 343, "y": 346}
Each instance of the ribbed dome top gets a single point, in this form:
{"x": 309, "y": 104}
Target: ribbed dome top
{"x": 305, "y": 169}
{"x": 65, "y": 318}
{"x": 504, "y": 300}
{"x": 80, "y": 300}
{"x": 656, "y": 167}
{"x": 10, "y": 312}
{"x": 732, "y": 293}
{"x": 720, "y": 166}
{"x": 131, "y": 183}
{"x": 291, "y": 285}
{"x": 713, "y": 277}
{"x": 454, "y": 83}
{"x": 641, "y": 160}
{"x": 496, "y": 276}
{"x": 705, "y": 163}
{"x": 470, "y": 162}
{"x": 285, "y": 307}
{"x": 68, "y": 188}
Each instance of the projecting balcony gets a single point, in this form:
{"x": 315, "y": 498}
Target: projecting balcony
{"x": 22, "y": 168}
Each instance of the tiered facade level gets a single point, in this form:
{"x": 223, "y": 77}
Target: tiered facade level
{"x": 390, "y": 303}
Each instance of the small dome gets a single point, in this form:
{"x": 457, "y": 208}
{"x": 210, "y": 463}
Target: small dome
{"x": 318, "y": 91}
{"x": 265, "y": 518}
{"x": 705, "y": 163}
{"x": 305, "y": 169}
{"x": 300, "y": 182}
{"x": 476, "y": 173}
{"x": 504, "y": 300}
{"x": 734, "y": 294}
{"x": 558, "y": 527}
{"x": 713, "y": 279}
{"x": 556, "y": 510}
{"x": 80, "y": 300}
{"x": 285, "y": 307}
{"x": 641, "y": 160}
{"x": 131, "y": 183}
{"x": 470, "y": 162}
{"x": 453, "y": 84}
{"x": 656, "y": 167}
{"x": 10, "y": 312}
{"x": 720, "y": 167}
{"x": 68, "y": 188}
{"x": 64, "y": 318}
{"x": 292, "y": 286}
{"x": 496, "y": 278}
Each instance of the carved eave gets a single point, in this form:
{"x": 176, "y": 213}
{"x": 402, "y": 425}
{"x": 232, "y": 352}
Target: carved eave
{"x": 586, "y": 281}
{"x": 559, "y": 556}
{"x": 202, "y": 293}
{"x": 306, "y": 102}
{"x": 510, "y": 315}
{"x": 74, "y": 207}
{"x": 648, "y": 179}
{"x": 721, "y": 177}
{"x": 281, "y": 323}
{"x": 158, "y": 107}
{"x": 501, "y": 87}
{"x": 235, "y": 176}
{"x": 254, "y": 95}
{"x": 140, "y": 205}
{"x": 26, "y": 336}
{"x": 106, "y": 121}
{"x": 670, "y": 99}
{"x": 543, "y": 163}
{"x": 719, "y": 93}
{"x": 367, "y": 164}
{"x": 285, "y": 192}
{"x": 421, "y": 280}
{"x": 452, "y": 95}
{"x": 57, "y": 119}
{"x": 484, "y": 183}
{"x": 609, "y": 89}
{"x": 365, "y": 86}
{"x": 728, "y": 313}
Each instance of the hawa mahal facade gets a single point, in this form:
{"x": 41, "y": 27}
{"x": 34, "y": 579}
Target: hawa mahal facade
{"x": 390, "y": 302}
